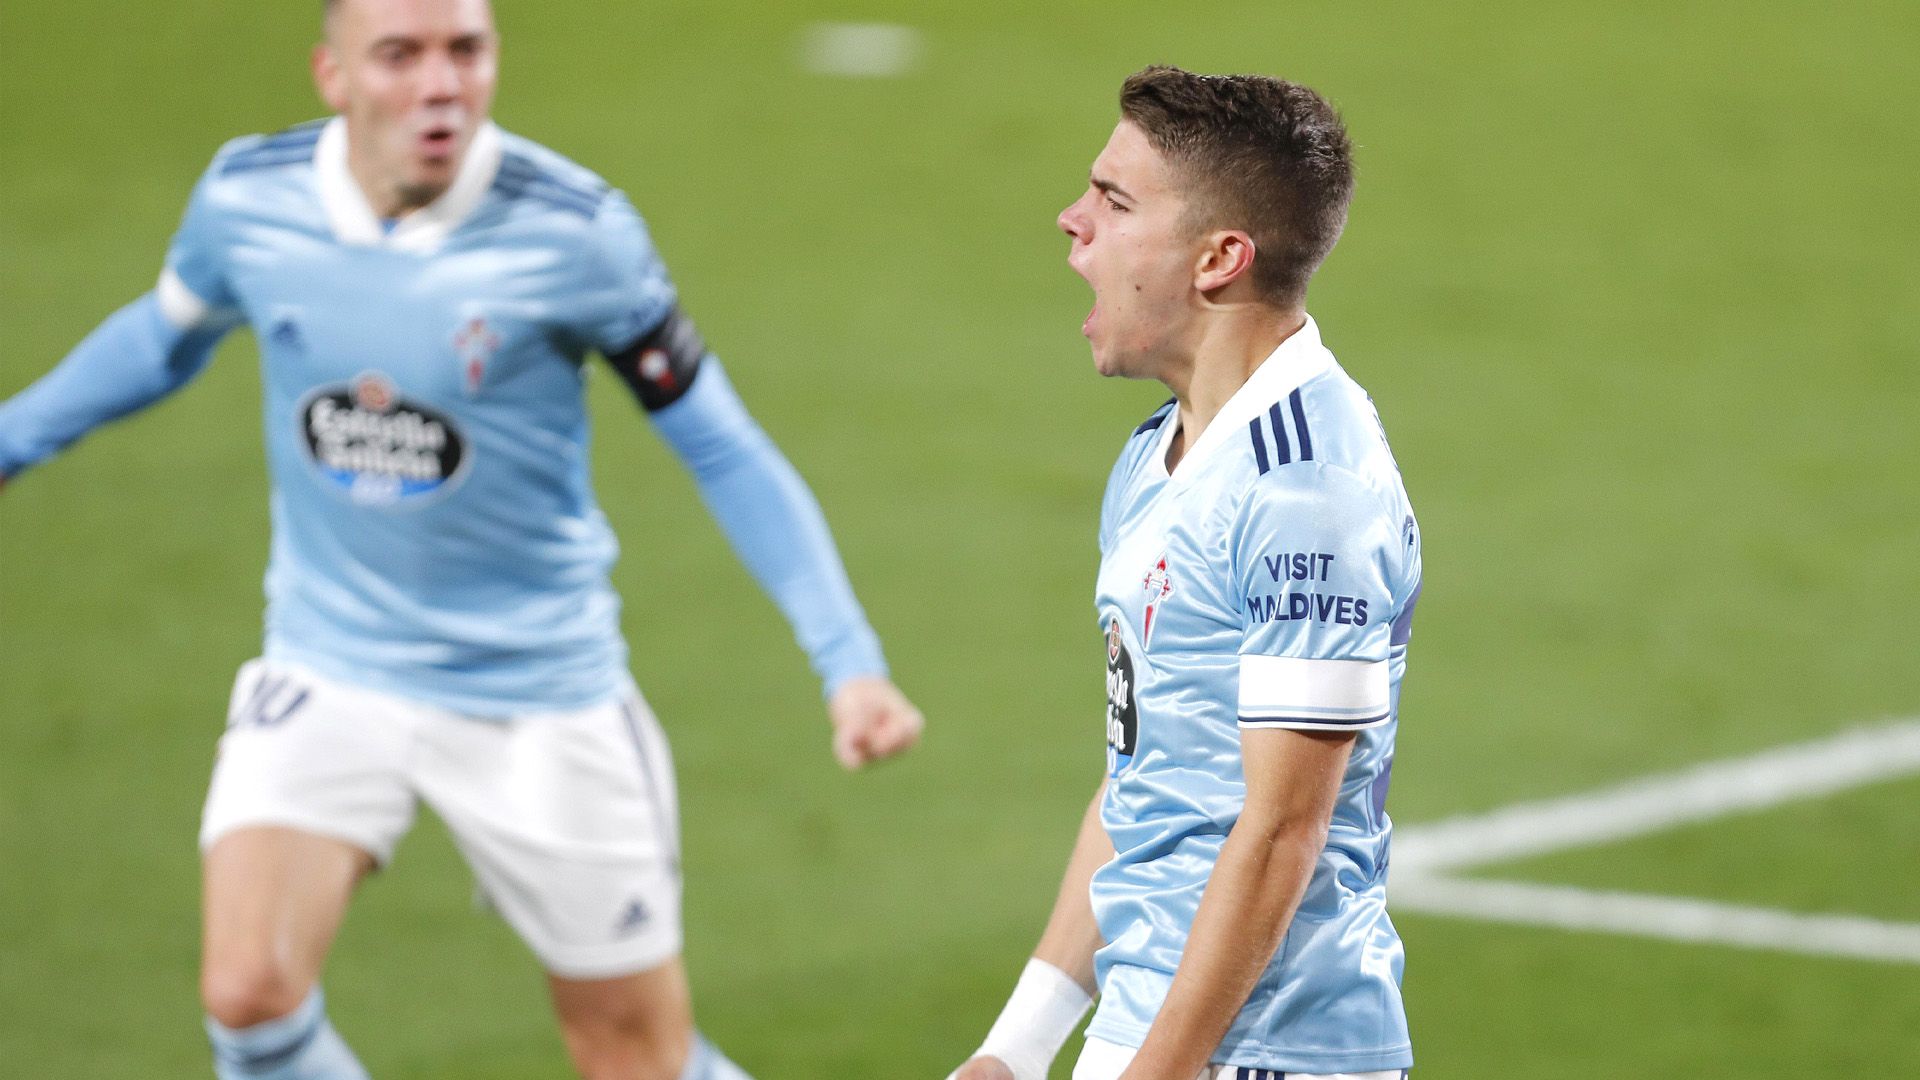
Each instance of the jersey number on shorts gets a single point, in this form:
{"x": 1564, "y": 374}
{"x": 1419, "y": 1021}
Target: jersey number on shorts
{"x": 271, "y": 702}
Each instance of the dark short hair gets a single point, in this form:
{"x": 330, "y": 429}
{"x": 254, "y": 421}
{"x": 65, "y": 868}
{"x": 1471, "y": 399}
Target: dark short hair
{"x": 1255, "y": 153}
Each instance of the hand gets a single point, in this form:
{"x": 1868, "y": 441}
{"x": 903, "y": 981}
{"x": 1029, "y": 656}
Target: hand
{"x": 982, "y": 1068}
{"x": 872, "y": 720}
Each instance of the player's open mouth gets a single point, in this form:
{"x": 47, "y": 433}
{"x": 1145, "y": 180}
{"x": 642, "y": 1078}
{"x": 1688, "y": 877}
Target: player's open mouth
{"x": 1086, "y": 328}
{"x": 437, "y": 141}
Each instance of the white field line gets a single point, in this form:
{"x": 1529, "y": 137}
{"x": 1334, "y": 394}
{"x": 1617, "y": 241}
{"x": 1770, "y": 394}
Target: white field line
{"x": 1651, "y": 804}
{"x": 1423, "y": 854}
{"x": 1671, "y": 918}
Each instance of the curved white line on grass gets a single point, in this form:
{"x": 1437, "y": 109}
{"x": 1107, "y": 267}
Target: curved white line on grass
{"x": 1651, "y": 804}
{"x": 1671, "y": 918}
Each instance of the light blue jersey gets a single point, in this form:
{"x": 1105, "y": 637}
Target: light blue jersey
{"x": 434, "y": 531}
{"x": 1268, "y": 582}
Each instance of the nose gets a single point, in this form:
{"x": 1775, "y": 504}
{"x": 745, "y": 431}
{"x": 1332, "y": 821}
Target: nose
{"x": 440, "y": 79}
{"x": 1073, "y": 220}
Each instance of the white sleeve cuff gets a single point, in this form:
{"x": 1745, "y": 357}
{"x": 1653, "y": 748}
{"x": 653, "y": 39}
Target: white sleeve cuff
{"x": 1325, "y": 695}
{"x": 182, "y": 307}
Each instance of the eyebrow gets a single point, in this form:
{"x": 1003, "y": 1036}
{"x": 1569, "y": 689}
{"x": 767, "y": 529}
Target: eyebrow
{"x": 411, "y": 42}
{"x": 1110, "y": 188}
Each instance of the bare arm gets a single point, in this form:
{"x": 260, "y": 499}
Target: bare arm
{"x": 1293, "y": 778}
{"x": 1072, "y": 937}
{"x": 1046, "y": 1007}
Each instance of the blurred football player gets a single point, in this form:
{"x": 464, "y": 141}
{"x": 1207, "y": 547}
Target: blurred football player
{"x": 1259, "y": 568}
{"x": 425, "y": 289}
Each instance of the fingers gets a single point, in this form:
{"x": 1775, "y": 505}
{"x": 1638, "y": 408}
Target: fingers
{"x": 846, "y": 747}
{"x": 894, "y": 731}
{"x": 872, "y": 738}
{"x": 872, "y": 722}
{"x": 983, "y": 1068}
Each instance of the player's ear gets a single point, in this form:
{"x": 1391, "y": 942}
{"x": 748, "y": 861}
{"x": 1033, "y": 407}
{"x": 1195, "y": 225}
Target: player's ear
{"x": 1225, "y": 259}
{"x": 328, "y": 79}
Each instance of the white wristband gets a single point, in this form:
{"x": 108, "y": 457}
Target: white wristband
{"x": 1045, "y": 1008}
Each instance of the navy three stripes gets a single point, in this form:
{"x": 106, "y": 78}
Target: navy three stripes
{"x": 520, "y": 176}
{"x": 289, "y": 147}
{"x": 1283, "y": 445}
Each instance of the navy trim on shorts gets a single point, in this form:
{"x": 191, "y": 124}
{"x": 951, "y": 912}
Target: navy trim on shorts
{"x": 651, "y": 781}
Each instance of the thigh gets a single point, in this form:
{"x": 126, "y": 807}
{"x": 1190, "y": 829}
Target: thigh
{"x": 569, "y": 823}
{"x": 272, "y": 900}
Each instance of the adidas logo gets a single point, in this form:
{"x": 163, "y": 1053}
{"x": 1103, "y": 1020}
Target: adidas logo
{"x": 286, "y": 335}
{"x": 632, "y": 918}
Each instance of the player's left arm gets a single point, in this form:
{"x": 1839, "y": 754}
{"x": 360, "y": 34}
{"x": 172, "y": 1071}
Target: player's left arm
{"x": 767, "y": 512}
{"x": 1315, "y": 553}
{"x": 1263, "y": 870}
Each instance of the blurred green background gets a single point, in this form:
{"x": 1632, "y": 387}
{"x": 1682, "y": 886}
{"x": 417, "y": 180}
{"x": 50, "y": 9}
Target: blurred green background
{"x": 1636, "y": 288}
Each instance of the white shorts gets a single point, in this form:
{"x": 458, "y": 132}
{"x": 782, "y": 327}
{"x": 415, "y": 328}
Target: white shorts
{"x": 568, "y": 819}
{"x": 1102, "y": 1060}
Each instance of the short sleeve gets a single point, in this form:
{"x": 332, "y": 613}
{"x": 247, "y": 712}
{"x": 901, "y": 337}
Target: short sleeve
{"x": 194, "y": 290}
{"x": 629, "y": 292}
{"x": 1315, "y": 553}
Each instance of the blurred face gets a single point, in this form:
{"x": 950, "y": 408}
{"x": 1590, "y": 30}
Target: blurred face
{"x": 414, "y": 79}
{"x": 1132, "y": 244}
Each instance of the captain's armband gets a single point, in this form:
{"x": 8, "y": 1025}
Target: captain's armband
{"x": 661, "y": 366}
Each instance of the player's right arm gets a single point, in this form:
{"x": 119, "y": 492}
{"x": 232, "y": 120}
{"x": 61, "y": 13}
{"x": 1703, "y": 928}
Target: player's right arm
{"x": 140, "y": 354}
{"x": 1057, "y": 986}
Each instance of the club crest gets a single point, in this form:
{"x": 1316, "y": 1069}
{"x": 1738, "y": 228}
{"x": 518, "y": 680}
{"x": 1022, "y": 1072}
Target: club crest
{"x": 475, "y": 343}
{"x": 1159, "y": 585}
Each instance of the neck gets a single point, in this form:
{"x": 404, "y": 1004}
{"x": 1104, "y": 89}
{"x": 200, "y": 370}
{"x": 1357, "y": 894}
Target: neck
{"x": 382, "y": 197}
{"x": 1224, "y": 358}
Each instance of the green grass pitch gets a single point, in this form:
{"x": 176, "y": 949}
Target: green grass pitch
{"x": 1633, "y": 284}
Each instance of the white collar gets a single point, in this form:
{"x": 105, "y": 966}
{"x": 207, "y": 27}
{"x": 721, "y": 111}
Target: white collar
{"x": 1299, "y": 358}
{"x": 422, "y": 231}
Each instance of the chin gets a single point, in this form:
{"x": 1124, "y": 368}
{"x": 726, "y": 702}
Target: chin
{"x": 1103, "y": 362}
{"x": 1115, "y": 364}
{"x": 422, "y": 188}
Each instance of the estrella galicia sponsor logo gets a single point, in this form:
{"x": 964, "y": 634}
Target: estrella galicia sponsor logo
{"x": 379, "y": 448}
{"x": 1123, "y": 718}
